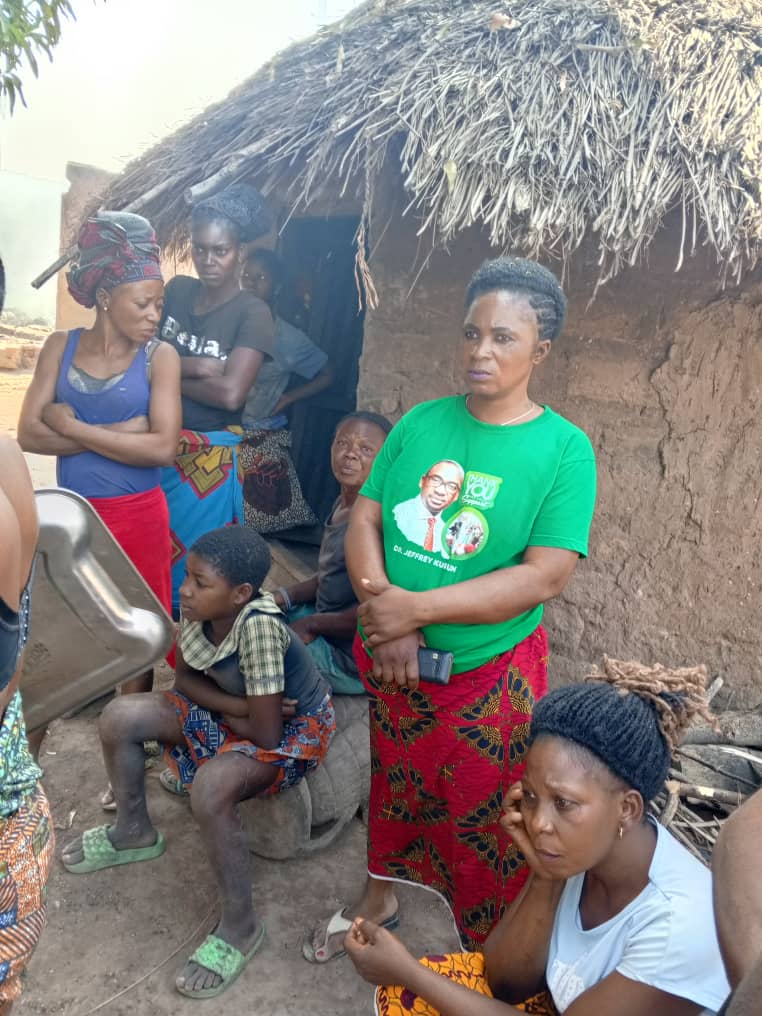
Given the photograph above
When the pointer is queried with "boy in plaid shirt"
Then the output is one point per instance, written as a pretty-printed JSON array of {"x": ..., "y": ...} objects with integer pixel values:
[{"x": 224, "y": 734}]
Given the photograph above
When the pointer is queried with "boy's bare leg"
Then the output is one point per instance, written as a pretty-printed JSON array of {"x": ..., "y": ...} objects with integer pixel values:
[
  {"x": 140, "y": 684},
  {"x": 135, "y": 686},
  {"x": 125, "y": 723},
  {"x": 219, "y": 786}
]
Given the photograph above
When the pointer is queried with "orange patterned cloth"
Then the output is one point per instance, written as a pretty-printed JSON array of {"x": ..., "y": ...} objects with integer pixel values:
[
  {"x": 26, "y": 852},
  {"x": 303, "y": 747},
  {"x": 465, "y": 968}
]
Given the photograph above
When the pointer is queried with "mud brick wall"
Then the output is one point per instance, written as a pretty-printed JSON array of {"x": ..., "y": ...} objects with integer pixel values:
[
  {"x": 664, "y": 372},
  {"x": 87, "y": 183}
]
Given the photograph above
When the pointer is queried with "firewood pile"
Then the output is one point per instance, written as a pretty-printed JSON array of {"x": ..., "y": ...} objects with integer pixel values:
[{"x": 714, "y": 771}]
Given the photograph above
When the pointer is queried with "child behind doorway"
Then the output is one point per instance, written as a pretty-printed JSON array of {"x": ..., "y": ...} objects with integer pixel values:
[{"x": 224, "y": 734}]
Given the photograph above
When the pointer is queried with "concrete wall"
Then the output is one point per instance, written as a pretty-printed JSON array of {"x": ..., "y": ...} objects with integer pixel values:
[
  {"x": 664, "y": 372},
  {"x": 29, "y": 239}
]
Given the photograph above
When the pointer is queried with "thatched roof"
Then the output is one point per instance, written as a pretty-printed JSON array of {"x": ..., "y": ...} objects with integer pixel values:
[{"x": 541, "y": 120}]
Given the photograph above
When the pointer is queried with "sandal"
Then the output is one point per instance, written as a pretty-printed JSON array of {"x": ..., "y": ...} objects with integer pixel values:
[
  {"x": 101, "y": 853},
  {"x": 337, "y": 925},
  {"x": 172, "y": 784},
  {"x": 107, "y": 799},
  {"x": 224, "y": 960}
]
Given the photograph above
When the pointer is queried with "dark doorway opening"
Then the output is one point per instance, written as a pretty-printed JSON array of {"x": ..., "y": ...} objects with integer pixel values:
[{"x": 321, "y": 298}]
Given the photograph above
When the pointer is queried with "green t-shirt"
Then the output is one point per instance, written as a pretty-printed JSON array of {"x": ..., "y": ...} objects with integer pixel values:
[{"x": 461, "y": 498}]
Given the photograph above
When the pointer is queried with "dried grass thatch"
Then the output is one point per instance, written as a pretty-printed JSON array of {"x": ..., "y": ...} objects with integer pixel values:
[{"x": 541, "y": 120}]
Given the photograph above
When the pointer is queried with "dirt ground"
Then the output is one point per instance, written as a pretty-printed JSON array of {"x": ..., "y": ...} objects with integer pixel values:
[
  {"x": 13, "y": 384},
  {"x": 117, "y": 939}
]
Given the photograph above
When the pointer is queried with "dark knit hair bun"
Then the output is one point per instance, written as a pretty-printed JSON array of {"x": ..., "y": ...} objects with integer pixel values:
[
  {"x": 518, "y": 275},
  {"x": 237, "y": 553},
  {"x": 629, "y": 716},
  {"x": 239, "y": 205}
]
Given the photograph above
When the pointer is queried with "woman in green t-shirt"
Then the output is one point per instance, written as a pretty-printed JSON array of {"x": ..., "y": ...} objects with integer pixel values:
[{"x": 474, "y": 515}]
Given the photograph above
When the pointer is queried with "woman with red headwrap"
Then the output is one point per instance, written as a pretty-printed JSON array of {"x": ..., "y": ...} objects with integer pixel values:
[{"x": 105, "y": 400}]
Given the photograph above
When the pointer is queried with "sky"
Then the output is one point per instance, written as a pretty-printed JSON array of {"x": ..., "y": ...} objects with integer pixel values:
[{"x": 128, "y": 72}]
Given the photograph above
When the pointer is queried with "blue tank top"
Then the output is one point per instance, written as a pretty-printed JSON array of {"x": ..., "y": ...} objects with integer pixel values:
[{"x": 91, "y": 474}]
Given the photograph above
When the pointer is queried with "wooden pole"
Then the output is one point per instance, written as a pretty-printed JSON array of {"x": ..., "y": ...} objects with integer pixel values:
[
  {"x": 51, "y": 270},
  {"x": 133, "y": 206}
]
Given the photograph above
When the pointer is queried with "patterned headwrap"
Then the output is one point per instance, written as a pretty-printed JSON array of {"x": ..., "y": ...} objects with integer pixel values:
[{"x": 112, "y": 248}]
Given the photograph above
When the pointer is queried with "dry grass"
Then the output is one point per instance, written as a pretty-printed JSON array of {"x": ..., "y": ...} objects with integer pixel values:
[{"x": 540, "y": 120}]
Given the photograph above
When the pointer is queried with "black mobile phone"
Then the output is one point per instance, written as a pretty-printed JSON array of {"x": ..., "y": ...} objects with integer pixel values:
[{"x": 434, "y": 665}]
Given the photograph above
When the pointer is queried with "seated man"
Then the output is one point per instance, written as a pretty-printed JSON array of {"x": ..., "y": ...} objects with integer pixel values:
[
  {"x": 322, "y": 610},
  {"x": 738, "y": 906}
]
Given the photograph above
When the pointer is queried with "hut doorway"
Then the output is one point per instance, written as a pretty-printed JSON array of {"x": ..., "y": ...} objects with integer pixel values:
[{"x": 322, "y": 300}]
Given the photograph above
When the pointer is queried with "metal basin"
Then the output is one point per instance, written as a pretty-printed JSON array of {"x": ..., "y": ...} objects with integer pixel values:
[{"x": 95, "y": 623}]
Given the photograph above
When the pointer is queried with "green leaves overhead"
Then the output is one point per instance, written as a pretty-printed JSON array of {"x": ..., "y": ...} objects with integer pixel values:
[{"x": 27, "y": 29}]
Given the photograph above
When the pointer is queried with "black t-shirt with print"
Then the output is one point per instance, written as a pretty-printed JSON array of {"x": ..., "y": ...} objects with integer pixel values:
[{"x": 244, "y": 321}]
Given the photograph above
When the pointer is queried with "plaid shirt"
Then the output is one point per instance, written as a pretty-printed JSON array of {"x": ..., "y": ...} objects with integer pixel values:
[{"x": 260, "y": 641}]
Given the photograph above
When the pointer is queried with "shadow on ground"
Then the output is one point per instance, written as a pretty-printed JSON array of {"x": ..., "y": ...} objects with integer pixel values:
[
  {"x": 112, "y": 929},
  {"x": 117, "y": 927}
]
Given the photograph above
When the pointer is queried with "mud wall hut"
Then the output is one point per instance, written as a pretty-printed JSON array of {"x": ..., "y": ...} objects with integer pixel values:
[{"x": 620, "y": 141}]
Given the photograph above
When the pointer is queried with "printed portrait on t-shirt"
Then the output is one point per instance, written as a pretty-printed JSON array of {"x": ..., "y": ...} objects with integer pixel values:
[
  {"x": 466, "y": 533},
  {"x": 419, "y": 519}
]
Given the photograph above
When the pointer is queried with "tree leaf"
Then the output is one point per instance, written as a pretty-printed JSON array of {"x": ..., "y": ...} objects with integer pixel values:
[{"x": 27, "y": 28}]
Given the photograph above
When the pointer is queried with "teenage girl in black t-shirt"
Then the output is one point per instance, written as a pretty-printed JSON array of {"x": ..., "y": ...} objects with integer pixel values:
[{"x": 222, "y": 335}]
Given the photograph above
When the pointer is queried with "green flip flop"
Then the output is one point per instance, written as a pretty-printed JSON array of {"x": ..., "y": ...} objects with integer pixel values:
[
  {"x": 101, "y": 853},
  {"x": 224, "y": 960}
]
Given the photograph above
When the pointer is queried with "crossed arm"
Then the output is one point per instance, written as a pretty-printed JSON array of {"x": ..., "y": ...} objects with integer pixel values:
[
  {"x": 224, "y": 384},
  {"x": 258, "y": 718},
  {"x": 51, "y": 428},
  {"x": 392, "y": 617}
]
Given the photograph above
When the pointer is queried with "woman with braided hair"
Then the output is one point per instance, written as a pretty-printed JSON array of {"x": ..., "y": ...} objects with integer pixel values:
[
  {"x": 475, "y": 513},
  {"x": 617, "y": 915},
  {"x": 223, "y": 336}
]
